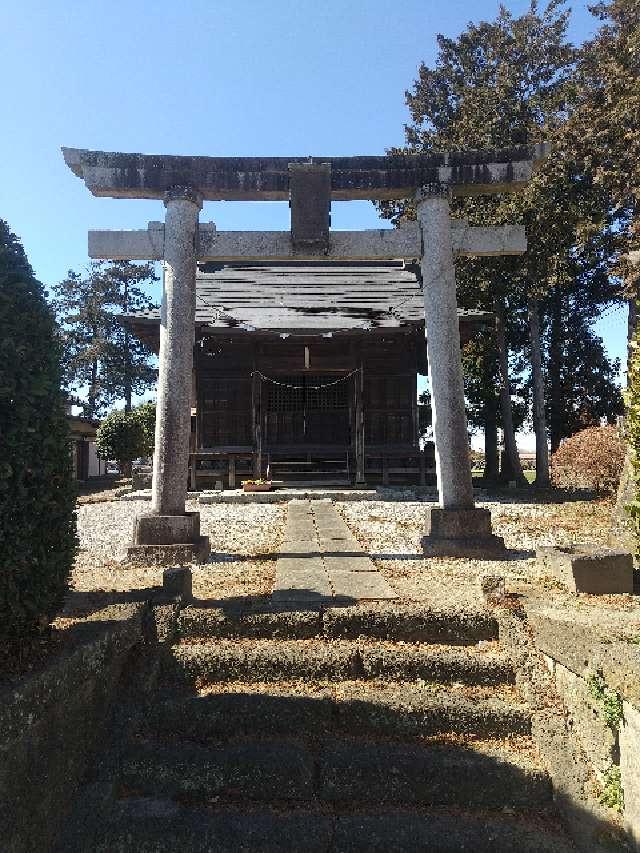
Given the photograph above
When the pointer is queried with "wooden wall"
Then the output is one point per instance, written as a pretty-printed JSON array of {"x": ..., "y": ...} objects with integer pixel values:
[{"x": 230, "y": 402}]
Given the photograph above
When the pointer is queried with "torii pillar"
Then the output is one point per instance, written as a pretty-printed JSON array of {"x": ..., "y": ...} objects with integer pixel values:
[
  {"x": 169, "y": 533},
  {"x": 457, "y": 527}
]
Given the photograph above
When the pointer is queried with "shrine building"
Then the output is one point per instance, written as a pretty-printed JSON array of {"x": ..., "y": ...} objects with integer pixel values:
[{"x": 306, "y": 372}]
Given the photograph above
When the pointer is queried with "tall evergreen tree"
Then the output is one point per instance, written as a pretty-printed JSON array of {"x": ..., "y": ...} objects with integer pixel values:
[
  {"x": 80, "y": 303},
  {"x": 103, "y": 361},
  {"x": 604, "y": 129},
  {"x": 127, "y": 367},
  {"x": 503, "y": 83},
  {"x": 604, "y": 133},
  {"x": 498, "y": 84}
]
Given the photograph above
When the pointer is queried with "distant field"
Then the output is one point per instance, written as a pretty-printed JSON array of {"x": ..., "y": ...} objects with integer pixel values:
[{"x": 530, "y": 475}]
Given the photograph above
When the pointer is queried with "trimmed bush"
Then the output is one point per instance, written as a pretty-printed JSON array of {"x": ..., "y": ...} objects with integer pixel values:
[
  {"x": 121, "y": 436},
  {"x": 146, "y": 414},
  {"x": 37, "y": 492},
  {"x": 591, "y": 459}
]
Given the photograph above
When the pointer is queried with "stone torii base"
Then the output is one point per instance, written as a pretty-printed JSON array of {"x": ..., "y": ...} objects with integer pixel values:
[
  {"x": 168, "y": 540},
  {"x": 461, "y": 533}
]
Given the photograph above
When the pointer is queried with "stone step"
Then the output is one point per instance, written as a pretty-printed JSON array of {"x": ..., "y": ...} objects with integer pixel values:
[
  {"x": 382, "y": 621},
  {"x": 378, "y": 708},
  {"x": 339, "y": 771},
  {"x": 256, "y": 770},
  {"x": 267, "y": 624},
  {"x": 275, "y": 660},
  {"x": 157, "y": 826},
  {"x": 435, "y": 774},
  {"x": 410, "y": 623}
]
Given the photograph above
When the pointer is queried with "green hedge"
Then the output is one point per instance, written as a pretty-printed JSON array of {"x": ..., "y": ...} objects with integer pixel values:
[{"x": 37, "y": 493}]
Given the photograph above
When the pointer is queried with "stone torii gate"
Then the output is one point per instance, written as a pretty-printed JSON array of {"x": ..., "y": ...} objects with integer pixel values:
[{"x": 456, "y": 526}]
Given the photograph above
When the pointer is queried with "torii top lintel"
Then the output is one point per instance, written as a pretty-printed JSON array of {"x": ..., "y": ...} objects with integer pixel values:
[{"x": 119, "y": 175}]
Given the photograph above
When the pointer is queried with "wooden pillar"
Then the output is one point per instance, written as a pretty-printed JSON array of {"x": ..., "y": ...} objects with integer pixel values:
[
  {"x": 423, "y": 473},
  {"x": 256, "y": 415},
  {"x": 359, "y": 395},
  {"x": 414, "y": 412},
  {"x": 232, "y": 471}
]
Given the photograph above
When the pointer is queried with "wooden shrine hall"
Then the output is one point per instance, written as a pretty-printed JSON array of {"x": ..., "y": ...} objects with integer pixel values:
[{"x": 307, "y": 373}]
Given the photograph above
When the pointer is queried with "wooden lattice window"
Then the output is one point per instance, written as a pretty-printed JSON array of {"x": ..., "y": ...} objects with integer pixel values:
[{"x": 310, "y": 392}]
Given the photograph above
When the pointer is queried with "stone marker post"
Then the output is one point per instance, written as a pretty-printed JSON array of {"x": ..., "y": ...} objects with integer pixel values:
[
  {"x": 457, "y": 527},
  {"x": 168, "y": 524}
]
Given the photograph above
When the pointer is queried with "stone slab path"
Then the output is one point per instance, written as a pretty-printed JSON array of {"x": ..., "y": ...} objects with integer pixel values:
[{"x": 320, "y": 561}]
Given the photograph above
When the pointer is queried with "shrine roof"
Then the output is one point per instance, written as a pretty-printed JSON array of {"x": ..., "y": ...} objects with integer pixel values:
[{"x": 312, "y": 297}]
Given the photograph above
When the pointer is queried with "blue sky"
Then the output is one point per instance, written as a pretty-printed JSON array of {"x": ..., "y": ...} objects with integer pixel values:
[{"x": 207, "y": 77}]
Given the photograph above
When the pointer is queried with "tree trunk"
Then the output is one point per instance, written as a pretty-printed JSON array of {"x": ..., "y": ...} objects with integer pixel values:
[
  {"x": 127, "y": 353},
  {"x": 490, "y": 418},
  {"x": 491, "y": 467},
  {"x": 539, "y": 422},
  {"x": 555, "y": 370},
  {"x": 622, "y": 531},
  {"x": 92, "y": 395},
  {"x": 632, "y": 321},
  {"x": 510, "y": 448}
]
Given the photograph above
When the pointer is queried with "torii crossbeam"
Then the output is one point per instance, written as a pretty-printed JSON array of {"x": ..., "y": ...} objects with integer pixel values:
[{"x": 456, "y": 527}]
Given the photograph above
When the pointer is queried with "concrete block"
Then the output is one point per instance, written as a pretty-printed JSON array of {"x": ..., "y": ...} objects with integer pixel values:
[
  {"x": 460, "y": 533},
  {"x": 590, "y": 569},
  {"x": 457, "y": 523},
  {"x": 141, "y": 478},
  {"x": 167, "y": 529},
  {"x": 630, "y": 769},
  {"x": 178, "y": 581}
]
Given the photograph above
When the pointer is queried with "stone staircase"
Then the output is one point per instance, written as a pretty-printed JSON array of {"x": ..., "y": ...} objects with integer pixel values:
[{"x": 368, "y": 728}]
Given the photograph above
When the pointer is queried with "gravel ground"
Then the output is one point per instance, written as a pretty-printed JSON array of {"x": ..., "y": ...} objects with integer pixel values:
[
  {"x": 237, "y": 535},
  {"x": 244, "y": 540},
  {"x": 390, "y": 531}
]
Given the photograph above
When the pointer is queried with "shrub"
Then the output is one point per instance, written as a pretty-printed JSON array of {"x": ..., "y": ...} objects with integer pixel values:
[
  {"x": 37, "y": 492},
  {"x": 146, "y": 414},
  {"x": 121, "y": 436},
  {"x": 591, "y": 459}
]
